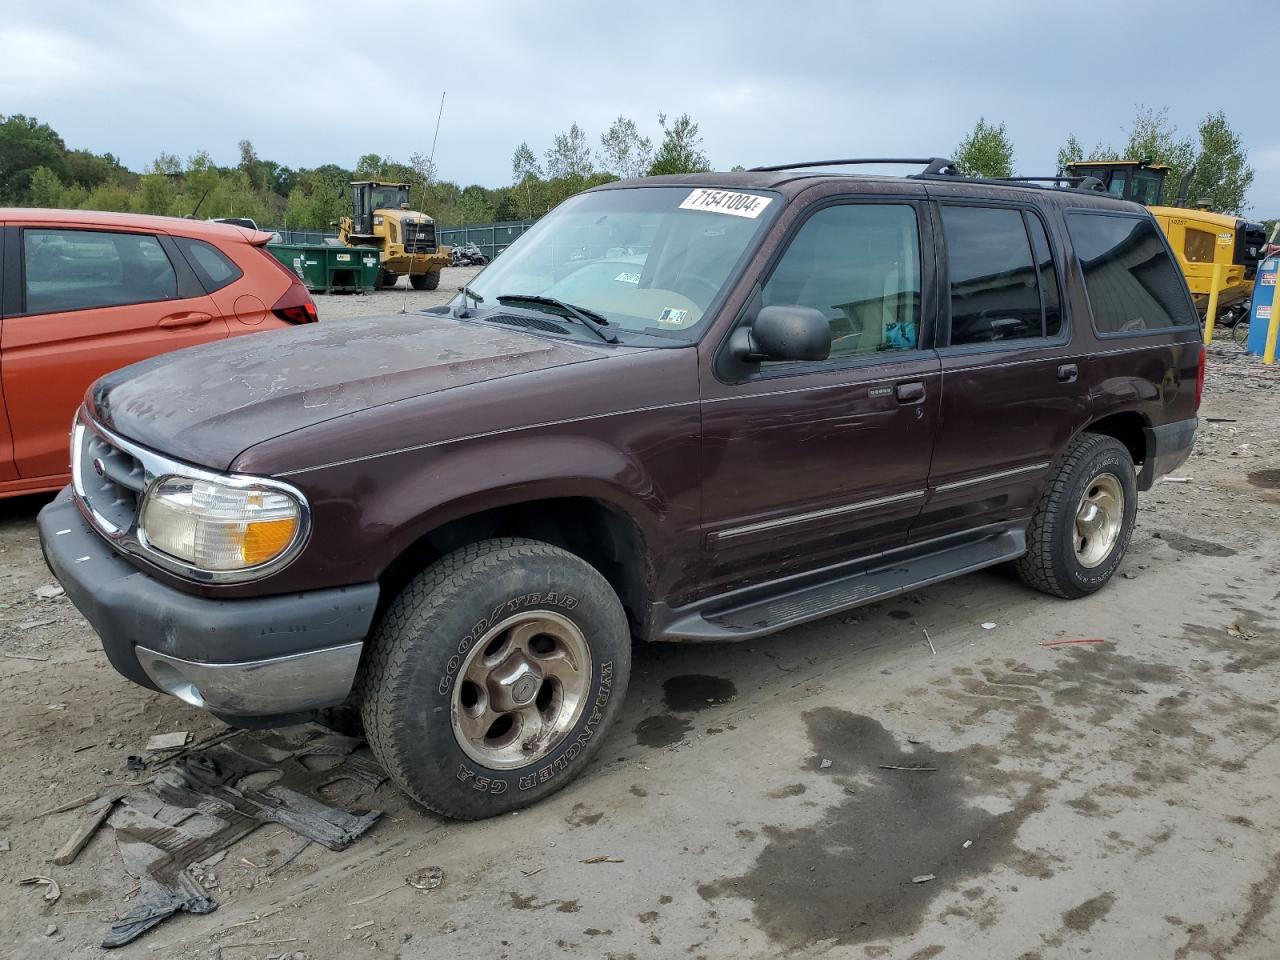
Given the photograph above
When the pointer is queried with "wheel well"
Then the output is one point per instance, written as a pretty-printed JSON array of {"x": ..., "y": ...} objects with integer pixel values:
[
  {"x": 1127, "y": 428},
  {"x": 600, "y": 534}
]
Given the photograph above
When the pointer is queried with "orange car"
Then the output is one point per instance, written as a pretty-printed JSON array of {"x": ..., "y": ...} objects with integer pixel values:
[{"x": 83, "y": 293}]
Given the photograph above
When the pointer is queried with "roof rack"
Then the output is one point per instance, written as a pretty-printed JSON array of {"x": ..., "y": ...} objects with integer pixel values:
[
  {"x": 941, "y": 168},
  {"x": 934, "y": 166}
]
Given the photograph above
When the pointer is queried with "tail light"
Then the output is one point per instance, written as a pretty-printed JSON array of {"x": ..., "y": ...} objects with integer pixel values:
[
  {"x": 1200, "y": 377},
  {"x": 296, "y": 306}
]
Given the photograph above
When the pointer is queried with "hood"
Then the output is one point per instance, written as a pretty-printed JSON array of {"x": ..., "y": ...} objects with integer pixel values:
[{"x": 208, "y": 403}]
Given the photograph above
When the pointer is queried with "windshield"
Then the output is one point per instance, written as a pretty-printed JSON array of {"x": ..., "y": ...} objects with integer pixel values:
[
  {"x": 649, "y": 259},
  {"x": 389, "y": 198}
]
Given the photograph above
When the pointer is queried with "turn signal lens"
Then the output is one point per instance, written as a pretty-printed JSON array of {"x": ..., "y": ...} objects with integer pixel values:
[{"x": 219, "y": 527}]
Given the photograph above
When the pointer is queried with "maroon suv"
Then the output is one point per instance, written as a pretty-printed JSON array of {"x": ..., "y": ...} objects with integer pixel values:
[{"x": 700, "y": 407}]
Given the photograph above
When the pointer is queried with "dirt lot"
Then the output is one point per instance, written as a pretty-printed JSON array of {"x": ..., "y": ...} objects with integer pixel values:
[{"x": 1113, "y": 799}]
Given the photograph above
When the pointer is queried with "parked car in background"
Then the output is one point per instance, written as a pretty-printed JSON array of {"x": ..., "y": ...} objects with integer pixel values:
[
  {"x": 700, "y": 408},
  {"x": 82, "y": 293}
]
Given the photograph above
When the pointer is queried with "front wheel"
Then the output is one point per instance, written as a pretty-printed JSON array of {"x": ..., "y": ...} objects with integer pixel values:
[
  {"x": 494, "y": 676},
  {"x": 387, "y": 280},
  {"x": 425, "y": 281},
  {"x": 1082, "y": 524}
]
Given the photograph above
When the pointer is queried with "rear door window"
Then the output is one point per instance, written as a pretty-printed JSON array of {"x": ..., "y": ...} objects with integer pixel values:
[
  {"x": 1132, "y": 282},
  {"x": 81, "y": 269},
  {"x": 994, "y": 278},
  {"x": 213, "y": 267}
]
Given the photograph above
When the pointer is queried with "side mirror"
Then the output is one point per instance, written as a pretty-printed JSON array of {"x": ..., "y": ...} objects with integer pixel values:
[{"x": 788, "y": 333}]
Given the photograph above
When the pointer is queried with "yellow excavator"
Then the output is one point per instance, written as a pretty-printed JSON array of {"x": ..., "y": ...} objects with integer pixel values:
[
  {"x": 1199, "y": 237},
  {"x": 405, "y": 239}
]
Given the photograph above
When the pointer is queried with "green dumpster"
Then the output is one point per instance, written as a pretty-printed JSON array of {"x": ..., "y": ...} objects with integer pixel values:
[{"x": 330, "y": 269}]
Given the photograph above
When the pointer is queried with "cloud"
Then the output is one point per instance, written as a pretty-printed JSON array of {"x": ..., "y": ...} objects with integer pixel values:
[{"x": 311, "y": 83}]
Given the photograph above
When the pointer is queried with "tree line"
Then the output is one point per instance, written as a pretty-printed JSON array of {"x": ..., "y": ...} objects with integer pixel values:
[
  {"x": 37, "y": 169},
  {"x": 1222, "y": 175}
]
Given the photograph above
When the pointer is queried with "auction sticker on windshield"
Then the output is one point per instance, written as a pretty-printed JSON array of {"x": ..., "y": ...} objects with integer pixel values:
[{"x": 726, "y": 201}]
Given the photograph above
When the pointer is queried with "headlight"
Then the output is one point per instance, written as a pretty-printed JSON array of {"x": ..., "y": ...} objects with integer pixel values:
[{"x": 217, "y": 526}]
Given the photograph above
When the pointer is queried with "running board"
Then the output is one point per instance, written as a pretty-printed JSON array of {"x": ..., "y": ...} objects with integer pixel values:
[{"x": 756, "y": 611}]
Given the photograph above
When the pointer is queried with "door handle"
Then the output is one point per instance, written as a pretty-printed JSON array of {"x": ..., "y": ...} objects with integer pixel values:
[
  {"x": 192, "y": 319},
  {"x": 1068, "y": 373},
  {"x": 909, "y": 392}
]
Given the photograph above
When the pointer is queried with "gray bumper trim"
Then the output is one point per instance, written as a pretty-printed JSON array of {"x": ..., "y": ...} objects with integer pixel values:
[{"x": 289, "y": 684}]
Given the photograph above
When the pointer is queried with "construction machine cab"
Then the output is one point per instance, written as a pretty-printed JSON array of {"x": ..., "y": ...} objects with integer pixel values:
[
  {"x": 370, "y": 195},
  {"x": 1138, "y": 180}
]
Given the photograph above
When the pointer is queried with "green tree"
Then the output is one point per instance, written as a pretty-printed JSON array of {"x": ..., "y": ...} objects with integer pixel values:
[
  {"x": 624, "y": 151},
  {"x": 1154, "y": 137},
  {"x": 526, "y": 179},
  {"x": 985, "y": 151},
  {"x": 26, "y": 143},
  {"x": 1223, "y": 175},
  {"x": 45, "y": 188},
  {"x": 681, "y": 148},
  {"x": 1069, "y": 153},
  {"x": 569, "y": 156}
]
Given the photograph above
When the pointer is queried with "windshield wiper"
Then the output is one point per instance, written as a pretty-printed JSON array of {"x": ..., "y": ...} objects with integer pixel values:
[
  {"x": 593, "y": 321},
  {"x": 463, "y": 311}
]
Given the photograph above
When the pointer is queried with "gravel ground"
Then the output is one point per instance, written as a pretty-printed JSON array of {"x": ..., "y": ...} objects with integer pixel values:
[
  {"x": 1110, "y": 799},
  {"x": 343, "y": 306}
]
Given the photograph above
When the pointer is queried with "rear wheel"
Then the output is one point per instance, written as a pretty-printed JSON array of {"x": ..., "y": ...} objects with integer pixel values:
[
  {"x": 494, "y": 676},
  {"x": 425, "y": 281},
  {"x": 1240, "y": 333},
  {"x": 1082, "y": 525}
]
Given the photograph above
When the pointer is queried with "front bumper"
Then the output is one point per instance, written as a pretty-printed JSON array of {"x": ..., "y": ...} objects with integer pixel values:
[{"x": 250, "y": 658}]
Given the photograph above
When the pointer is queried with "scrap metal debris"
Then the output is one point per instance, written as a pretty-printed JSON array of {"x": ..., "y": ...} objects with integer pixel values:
[
  {"x": 604, "y": 859},
  {"x": 52, "y": 890},
  {"x": 428, "y": 878},
  {"x": 1064, "y": 643},
  {"x": 204, "y": 802},
  {"x": 168, "y": 741},
  {"x": 924, "y": 878}
]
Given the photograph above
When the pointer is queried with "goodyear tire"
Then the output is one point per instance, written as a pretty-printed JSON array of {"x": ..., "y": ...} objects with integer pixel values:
[
  {"x": 1081, "y": 527},
  {"x": 494, "y": 676},
  {"x": 425, "y": 281}
]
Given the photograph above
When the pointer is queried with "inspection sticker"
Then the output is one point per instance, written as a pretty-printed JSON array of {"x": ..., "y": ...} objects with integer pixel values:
[
  {"x": 627, "y": 278},
  {"x": 726, "y": 201},
  {"x": 673, "y": 317}
]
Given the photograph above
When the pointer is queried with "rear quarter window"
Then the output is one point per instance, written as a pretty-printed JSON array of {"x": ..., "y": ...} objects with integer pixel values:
[
  {"x": 1133, "y": 284},
  {"x": 213, "y": 267}
]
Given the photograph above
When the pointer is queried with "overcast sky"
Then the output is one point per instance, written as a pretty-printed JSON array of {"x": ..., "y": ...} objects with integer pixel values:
[{"x": 318, "y": 82}]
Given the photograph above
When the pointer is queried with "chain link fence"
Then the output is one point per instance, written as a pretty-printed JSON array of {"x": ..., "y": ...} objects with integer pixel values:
[{"x": 491, "y": 238}]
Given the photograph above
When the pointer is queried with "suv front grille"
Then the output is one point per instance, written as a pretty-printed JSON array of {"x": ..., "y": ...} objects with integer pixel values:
[
  {"x": 109, "y": 480},
  {"x": 420, "y": 238}
]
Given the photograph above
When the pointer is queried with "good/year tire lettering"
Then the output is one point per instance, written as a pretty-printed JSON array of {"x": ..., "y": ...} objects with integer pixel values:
[{"x": 562, "y": 600}]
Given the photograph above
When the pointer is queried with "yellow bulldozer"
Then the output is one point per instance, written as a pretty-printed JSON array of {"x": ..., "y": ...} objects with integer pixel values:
[
  {"x": 1199, "y": 237},
  {"x": 405, "y": 239}
]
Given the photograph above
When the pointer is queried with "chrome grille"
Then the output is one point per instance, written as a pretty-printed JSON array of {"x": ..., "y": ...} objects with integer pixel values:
[{"x": 109, "y": 480}]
